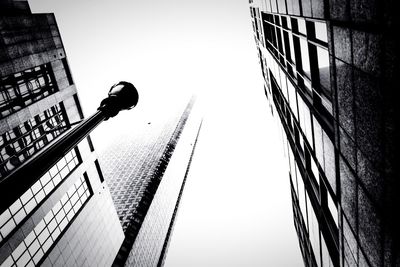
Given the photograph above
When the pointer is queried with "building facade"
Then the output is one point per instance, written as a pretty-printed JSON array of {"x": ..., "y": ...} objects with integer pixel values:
[
  {"x": 146, "y": 173},
  {"x": 66, "y": 217},
  {"x": 330, "y": 69}
]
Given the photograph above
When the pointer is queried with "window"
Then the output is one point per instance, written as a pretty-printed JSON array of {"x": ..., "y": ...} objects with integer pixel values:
[
  {"x": 302, "y": 195},
  {"x": 292, "y": 99},
  {"x": 332, "y": 208},
  {"x": 305, "y": 119},
  {"x": 320, "y": 31},
  {"x": 301, "y": 23},
  {"x": 24, "y": 88},
  {"x": 314, "y": 169},
  {"x": 305, "y": 58},
  {"x": 292, "y": 169},
  {"x": 37, "y": 243},
  {"x": 19, "y": 144},
  {"x": 325, "y": 152},
  {"x": 314, "y": 232},
  {"x": 323, "y": 68},
  {"x": 326, "y": 258},
  {"x": 284, "y": 22},
  {"x": 291, "y": 46},
  {"x": 12, "y": 216}
]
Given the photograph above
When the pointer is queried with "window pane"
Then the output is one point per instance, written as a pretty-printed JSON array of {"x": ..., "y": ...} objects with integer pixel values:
[
  {"x": 333, "y": 209},
  {"x": 292, "y": 98},
  {"x": 320, "y": 31},
  {"x": 293, "y": 58},
  {"x": 318, "y": 142},
  {"x": 314, "y": 232},
  {"x": 302, "y": 26},
  {"x": 323, "y": 66},
  {"x": 305, "y": 58},
  {"x": 326, "y": 258},
  {"x": 329, "y": 160},
  {"x": 302, "y": 195}
]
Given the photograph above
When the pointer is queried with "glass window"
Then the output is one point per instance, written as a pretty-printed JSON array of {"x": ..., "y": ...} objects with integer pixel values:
[
  {"x": 323, "y": 67},
  {"x": 326, "y": 258},
  {"x": 314, "y": 232},
  {"x": 301, "y": 143},
  {"x": 332, "y": 208},
  {"x": 307, "y": 125},
  {"x": 284, "y": 22},
  {"x": 327, "y": 104},
  {"x": 292, "y": 170},
  {"x": 292, "y": 55},
  {"x": 319, "y": 145},
  {"x": 302, "y": 195},
  {"x": 302, "y": 26},
  {"x": 320, "y": 31},
  {"x": 280, "y": 40},
  {"x": 314, "y": 169},
  {"x": 38, "y": 131},
  {"x": 329, "y": 160},
  {"x": 283, "y": 84},
  {"x": 277, "y": 20},
  {"x": 292, "y": 98},
  {"x": 305, "y": 58},
  {"x": 24, "y": 88},
  {"x": 307, "y": 86},
  {"x": 35, "y": 195},
  {"x": 5, "y": 216},
  {"x": 45, "y": 233}
]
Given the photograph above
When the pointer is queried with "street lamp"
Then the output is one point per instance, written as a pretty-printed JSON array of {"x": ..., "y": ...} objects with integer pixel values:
[{"x": 121, "y": 96}]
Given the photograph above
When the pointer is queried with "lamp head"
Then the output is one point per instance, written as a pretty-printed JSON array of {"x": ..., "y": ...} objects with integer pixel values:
[{"x": 121, "y": 96}]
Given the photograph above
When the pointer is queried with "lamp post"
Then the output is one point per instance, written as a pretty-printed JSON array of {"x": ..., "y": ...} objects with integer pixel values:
[{"x": 121, "y": 96}]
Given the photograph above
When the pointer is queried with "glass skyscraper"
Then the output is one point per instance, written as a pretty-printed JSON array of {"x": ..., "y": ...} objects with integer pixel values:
[
  {"x": 329, "y": 69},
  {"x": 66, "y": 217},
  {"x": 146, "y": 173}
]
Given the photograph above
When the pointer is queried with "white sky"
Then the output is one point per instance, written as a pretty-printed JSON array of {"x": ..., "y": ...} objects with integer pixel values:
[{"x": 236, "y": 207}]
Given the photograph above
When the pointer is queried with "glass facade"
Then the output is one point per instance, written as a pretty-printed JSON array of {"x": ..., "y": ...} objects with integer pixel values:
[
  {"x": 21, "y": 89},
  {"x": 30, "y": 251},
  {"x": 329, "y": 83},
  {"x": 146, "y": 191},
  {"x": 64, "y": 217},
  {"x": 18, "y": 211},
  {"x": 22, "y": 142}
]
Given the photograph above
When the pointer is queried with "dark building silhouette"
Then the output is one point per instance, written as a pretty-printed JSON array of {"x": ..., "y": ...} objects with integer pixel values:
[
  {"x": 146, "y": 173},
  {"x": 66, "y": 217},
  {"x": 330, "y": 69}
]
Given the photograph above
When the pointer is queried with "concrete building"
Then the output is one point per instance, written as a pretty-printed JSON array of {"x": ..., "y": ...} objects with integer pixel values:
[
  {"x": 66, "y": 217},
  {"x": 330, "y": 77},
  {"x": 146, "y": 173}
]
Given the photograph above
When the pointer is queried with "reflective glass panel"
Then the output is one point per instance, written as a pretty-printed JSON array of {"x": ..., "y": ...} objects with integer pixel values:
[
  {"x": 305, "y": 58},
  {"x": 314, "y": 232},
  {"x": 323, "y": 66},
  {"x": 320, "y": 31},
  {"x": 302, "y": 26}
]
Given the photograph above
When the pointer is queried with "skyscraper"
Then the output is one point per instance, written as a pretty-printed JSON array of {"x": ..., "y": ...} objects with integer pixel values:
[
  {"x": 329, "y": 69},
  {"x": 146, "y": 173},
  {"x": 66, "y": 217}
]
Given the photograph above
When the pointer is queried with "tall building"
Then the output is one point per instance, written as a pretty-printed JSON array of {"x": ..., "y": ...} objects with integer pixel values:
[
  {"x": 330, "y": 77},
  {"x": 66, "y": 217},
  {"x": 146, "y": 173}
]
